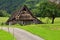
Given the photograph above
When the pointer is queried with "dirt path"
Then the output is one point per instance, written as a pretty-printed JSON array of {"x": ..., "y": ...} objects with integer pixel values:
[{"x": 22, "y": 34}]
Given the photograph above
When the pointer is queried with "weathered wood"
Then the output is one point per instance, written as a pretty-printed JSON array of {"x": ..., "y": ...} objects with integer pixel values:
[{"x": 23, "y": 16}]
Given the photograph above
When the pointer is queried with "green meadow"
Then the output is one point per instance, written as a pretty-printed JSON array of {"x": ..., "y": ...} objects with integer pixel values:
[
  {"x": 5, "y": 35},
  {"x": 46, "y": 31}
]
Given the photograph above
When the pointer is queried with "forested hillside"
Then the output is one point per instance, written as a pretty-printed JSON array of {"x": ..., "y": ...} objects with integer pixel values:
[
  {"x": 38, "y": 7},
  {"x": 11, "y": 5}
]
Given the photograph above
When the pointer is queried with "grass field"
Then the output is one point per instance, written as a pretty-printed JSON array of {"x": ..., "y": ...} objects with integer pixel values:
[
  {"x": 45, "y": 20},
  {"x": 46, "y": 31},
  {"x": 3, "y": 20},
  {"x": 5, "y": 35}
]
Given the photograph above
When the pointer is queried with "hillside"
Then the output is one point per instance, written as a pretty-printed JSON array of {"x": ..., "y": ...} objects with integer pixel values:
[{"x": 11, "y": 5}]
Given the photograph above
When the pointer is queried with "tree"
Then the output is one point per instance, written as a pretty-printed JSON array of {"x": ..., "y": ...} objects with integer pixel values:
[
  {"x": 48, "y": 9},
  {"x": 36, "y": 12}
]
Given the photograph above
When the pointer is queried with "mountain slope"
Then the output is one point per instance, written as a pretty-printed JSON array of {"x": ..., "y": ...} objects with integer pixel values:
[{"x": 12, "y": 5}]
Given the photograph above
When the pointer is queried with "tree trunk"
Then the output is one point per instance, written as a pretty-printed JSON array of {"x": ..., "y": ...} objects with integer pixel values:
[{"x": 53, "y": 20}]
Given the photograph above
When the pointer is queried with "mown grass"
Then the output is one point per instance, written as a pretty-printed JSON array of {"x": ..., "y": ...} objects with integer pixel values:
[
  {"x": 6, "y": 36},
  {"x": 46, "y": 31}
]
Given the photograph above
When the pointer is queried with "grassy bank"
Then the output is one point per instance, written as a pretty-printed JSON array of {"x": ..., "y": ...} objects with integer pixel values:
[{"x": 5, "y": 35}]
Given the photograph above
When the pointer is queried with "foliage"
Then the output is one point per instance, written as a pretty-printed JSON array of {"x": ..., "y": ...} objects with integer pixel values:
[
  {"x": 12, "y": 5},
  {"x": 36, "y": 12},
  {"x": 4, "y": 13},
  {"x": 48, "y": 9},
  {"x": 32, "y": 5}
]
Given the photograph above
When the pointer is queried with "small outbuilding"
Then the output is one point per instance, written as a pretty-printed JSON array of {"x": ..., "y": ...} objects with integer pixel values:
[{"x": 23, "y": 16}]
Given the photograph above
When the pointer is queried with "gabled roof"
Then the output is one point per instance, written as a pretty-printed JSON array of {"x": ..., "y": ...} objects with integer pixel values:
[
  {"x": 22, "y": 14},
  {"x": 26, "y": 9},
  {"x": 18, "y": 12}
]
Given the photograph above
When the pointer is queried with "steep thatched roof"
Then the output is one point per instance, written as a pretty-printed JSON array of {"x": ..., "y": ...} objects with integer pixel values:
[{"x": 22, "y": 15}]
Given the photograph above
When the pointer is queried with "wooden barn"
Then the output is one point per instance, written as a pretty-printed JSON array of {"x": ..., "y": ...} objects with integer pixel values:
[{"x": 23, "y": 16}]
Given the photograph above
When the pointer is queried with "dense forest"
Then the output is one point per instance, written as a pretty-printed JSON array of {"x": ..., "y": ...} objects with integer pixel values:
[{"x": 11, "y": 5}]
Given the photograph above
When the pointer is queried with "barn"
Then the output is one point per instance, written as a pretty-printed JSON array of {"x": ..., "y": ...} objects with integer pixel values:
[{"x": 23, "y": 16}]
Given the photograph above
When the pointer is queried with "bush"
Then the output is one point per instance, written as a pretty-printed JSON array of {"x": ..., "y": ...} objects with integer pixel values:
[{"x": 4, "y": 13}]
